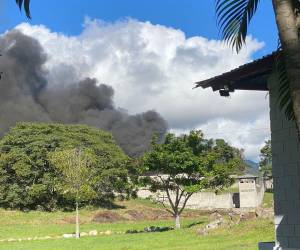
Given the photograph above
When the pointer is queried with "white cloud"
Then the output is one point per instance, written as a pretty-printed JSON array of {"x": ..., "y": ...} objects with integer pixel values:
[
  {"x": 242, "y": 134},
  {"x": 154, "y": 67}
]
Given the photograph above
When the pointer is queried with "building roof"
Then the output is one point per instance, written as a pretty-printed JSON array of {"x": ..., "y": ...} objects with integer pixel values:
[
  {"x": 250, "y": 76},
  {"x": 247, "y": 176}
]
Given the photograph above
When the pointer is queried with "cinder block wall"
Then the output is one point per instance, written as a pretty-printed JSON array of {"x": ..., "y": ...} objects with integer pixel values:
[
  {"x": 204, "y": 200},
  {"x": 248, "y": 193},
  {"x": 286, "y": 175}
]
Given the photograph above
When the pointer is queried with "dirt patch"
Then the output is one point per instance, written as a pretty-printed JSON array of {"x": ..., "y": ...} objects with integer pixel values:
[
  {"x": 146, "y": 214},
  {"x": 72, "y": 220},
  {"x": 159, "y": 215},
  {"x": 155, "y": 214},
  {"x": 107, "y": 217},
  {"x": 196, "y": 213},
  {"x": 135, "y": 215},
  {"x": 142, "y": 213},
  {"x": 68, "y": 220}
]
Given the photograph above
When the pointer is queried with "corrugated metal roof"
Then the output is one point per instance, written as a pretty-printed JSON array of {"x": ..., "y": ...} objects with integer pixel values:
[{"x": 250, "y": 76}]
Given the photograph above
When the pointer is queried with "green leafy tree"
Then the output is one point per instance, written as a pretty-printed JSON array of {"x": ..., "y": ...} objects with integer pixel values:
[
  {"x": 73, "y": 167},
  {"x": 28, "y": 179},
  {"x": 227, "y": 153},
  {"x": 183, "y": 165},
  {"x": 265, "y": 164},
  {"x": 233, "y": 18}
]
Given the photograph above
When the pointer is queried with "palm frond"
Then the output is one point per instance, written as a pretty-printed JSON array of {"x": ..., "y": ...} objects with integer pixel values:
[
  {"x": 296, "y": 4},
  {"x": 26, "y": 5},
  {"x": 233, "y": 18},
  {"x": 284, "y": 95}
]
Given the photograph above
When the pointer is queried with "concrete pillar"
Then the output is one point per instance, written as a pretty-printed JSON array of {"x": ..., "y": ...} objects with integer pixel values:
[
  {"x": 248, "y": 191},
  {"x": 286, "y": 175}
]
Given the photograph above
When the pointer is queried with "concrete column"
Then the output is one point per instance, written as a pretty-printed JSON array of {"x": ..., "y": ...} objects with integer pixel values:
[
  {"x": 248, "y": 192},
  {"x": 286, "y": 175}
]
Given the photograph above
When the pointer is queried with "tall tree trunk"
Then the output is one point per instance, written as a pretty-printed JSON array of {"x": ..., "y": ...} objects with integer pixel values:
[
  {"x": 177, "y": 221},
  {"x": 288, "y": 26},
  {"x": 77, "y": 222}
]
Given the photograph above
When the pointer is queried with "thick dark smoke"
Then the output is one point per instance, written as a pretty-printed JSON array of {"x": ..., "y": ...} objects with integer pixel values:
[{"x": 26, "y": 95}]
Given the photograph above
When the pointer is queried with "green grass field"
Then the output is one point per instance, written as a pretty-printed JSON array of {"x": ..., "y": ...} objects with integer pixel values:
[
  {"x": 268, "y": 200},
  {"x": 14, "y": 224}
]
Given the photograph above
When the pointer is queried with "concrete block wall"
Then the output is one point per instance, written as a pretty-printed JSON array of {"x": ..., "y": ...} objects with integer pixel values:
[
  {"x": 204, "y": 200},
  {"x": 286, "y": 175},
  {"x": 260, "y": 189},
  {"x": 251, "y": 193},
  {"x": 210, "y": 200},
  {"x": 248, "y": 193}
]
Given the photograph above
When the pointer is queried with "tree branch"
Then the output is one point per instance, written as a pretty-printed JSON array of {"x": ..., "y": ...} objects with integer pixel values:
[
  {"x": 182, "y": 192},
  {"x": 166, "y": 184},
  {"x": 177, "y": 200},
  {"x": 185, "y": 201},
  {"x": 162, "y": 180},
  {"x": 169, "y": 198},
  {"x": 180, "y": 196},
  {"x": 165, "y": 207}
]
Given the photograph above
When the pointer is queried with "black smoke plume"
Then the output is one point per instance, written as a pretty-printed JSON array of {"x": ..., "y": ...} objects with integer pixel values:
[{"x": 26, "y": 95}]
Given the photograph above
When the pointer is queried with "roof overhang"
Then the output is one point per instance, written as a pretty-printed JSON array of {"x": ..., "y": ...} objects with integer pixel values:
[{"x": 250, "y": 76}]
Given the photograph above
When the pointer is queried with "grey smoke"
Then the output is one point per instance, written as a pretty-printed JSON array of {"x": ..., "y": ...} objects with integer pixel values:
[{"x": 26, "y": 95}]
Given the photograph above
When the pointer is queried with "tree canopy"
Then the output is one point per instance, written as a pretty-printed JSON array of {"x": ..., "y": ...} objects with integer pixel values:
[
  {"x": 28, "y": 179},
  {"x": 265, "y": 163},
  {"x": 183, "y": 165}
]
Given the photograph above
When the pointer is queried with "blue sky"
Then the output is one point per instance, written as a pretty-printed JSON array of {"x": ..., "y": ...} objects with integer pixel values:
[{"x": 194, "y": 17}]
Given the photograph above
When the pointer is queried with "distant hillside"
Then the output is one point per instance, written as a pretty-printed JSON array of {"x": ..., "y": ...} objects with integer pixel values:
[{"x": 252, "y": 167}]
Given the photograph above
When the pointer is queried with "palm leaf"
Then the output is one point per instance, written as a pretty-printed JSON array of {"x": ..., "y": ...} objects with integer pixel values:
[
  {"x": 26, "y": 5},
  {"x": 284, "y": 95},
  {"x": 233, "y": 18},
  {"x": 296, "y": 4}
]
